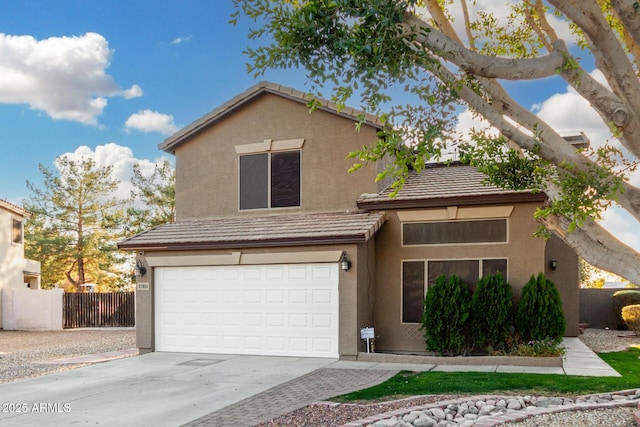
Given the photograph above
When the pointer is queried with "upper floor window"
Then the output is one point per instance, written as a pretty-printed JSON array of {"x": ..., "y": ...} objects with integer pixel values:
[
  {"x": 270, "y": 180},
  {"x": 16, "y": 231},
  {"x": 455, "y": 232}
]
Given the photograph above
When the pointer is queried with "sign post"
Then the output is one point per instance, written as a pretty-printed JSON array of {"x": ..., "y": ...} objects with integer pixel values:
[{"x": 367, "y": 334}]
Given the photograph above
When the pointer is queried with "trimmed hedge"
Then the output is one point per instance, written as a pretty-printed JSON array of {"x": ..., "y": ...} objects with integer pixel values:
[
  {"x": 622, "y": 299},
  {"x": 631, "y": 316},
  {"x": 540, "y": 314},
  {"x": 444, "y": 320},
  {"x": 491, "y": 315}
]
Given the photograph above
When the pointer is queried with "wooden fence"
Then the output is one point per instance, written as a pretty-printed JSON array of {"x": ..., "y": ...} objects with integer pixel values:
[{"x": 98, "y": 310}]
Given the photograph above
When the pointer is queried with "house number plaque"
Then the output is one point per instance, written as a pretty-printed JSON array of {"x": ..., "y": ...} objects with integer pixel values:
[{"x": 143, "y": 286}]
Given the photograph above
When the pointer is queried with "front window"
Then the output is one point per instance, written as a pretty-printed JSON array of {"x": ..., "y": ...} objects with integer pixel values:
[
  {"x": 414, "y": 284},
  {"x": 270, "y": 180}
]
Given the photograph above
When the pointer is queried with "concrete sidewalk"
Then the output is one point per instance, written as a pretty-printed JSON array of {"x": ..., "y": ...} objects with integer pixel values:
[
  {"x": 343, "y": 377},
  {"x": 171, "y": 389}
]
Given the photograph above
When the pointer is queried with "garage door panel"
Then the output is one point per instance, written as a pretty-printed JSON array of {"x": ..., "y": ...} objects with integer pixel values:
[{"x": 272, "y": 310}]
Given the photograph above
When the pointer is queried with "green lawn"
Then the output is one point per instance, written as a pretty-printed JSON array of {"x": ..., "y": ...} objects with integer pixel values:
[{"x": 627, "y": 363}]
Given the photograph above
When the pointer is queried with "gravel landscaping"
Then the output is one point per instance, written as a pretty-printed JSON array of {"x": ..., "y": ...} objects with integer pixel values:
[{"x": 21, "y": 352}]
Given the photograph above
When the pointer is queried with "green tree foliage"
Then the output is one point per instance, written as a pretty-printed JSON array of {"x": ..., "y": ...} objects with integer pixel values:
[
  {"x": 540, "y": 316},
  {"x": 153, "y": 200},
  {"x": 376, "y": 49},
  {"x": 75, "y": 224},
  {"x": 491, "y": 311},
  {"x": 446, "y": 312}
]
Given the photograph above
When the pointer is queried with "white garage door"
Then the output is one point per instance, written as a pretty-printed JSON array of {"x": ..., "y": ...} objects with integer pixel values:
[{"x": 279, "y": 310}]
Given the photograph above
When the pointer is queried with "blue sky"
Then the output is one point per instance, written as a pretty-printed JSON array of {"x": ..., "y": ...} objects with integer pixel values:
[
  {"x": 178, "y": 60},
  {"x": 113, "y": 79}
]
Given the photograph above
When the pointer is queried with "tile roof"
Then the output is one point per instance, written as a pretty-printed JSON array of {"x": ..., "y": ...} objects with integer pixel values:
[
  {"x": 441, "y": 185},
  {"x": 169, "y": 145},
  {"x": 294, "y": 229},
  {"x": 14, "y": 208}
]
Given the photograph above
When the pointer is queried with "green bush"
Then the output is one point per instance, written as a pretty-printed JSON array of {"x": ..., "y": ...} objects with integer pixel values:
[
  {"x": 540, "y": 314},
  {"x": 622, "y": 299},
  {"x": 445, "y": 317},
  {"x": 631, "y": 316},
  {"x": 491, "y": 316}
]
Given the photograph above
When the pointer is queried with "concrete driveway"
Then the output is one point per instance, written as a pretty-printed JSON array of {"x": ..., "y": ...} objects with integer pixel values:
[{"x": 160, "y": 389}]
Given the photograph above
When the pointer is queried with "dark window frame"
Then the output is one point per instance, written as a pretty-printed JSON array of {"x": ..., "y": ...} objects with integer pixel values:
[
  {"x": 276, "y": 192},
  {"x": 426, "y": 283}
]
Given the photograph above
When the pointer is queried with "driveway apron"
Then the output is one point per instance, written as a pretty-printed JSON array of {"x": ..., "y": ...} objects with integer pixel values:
[{"x": 160, "y": 389}]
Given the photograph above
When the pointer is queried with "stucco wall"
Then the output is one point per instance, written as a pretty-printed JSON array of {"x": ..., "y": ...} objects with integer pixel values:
[
  {"x": 28, "y": 309},
  {"x": 596, "y": 308},
  {"x": 11, "y": 254},
  {"x": 525, "y": 253},
  {"x": 207, "y": 166},
  {"x": 566, "y": 277}
]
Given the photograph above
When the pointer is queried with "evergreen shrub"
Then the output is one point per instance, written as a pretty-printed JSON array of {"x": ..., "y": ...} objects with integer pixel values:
[
  {"x": 631, "y": 316},
  {"x": 622, "y": 299},
  {"x": 491, "y": 315},
  {"x": 539, "y": 315},
  {"x": 445, "y": 317}
]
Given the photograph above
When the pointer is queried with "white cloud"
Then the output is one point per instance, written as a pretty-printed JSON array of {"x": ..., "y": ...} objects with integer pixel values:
[
  {"x": 134, "y": 91},
  {"x": 151, "y": 121},
  {"x": 622, "y": 225},
  {"x": 570, "y": 112},
  {"x": 180, "y": 40},
  {"x": 63, "y": 76},
  {"x": 121, "y": 159}
]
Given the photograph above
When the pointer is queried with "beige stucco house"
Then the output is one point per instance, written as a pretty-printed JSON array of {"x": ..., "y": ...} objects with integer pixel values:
[
  {"x": 15, "y": 270},
  {"x": 278, "y": 250}
]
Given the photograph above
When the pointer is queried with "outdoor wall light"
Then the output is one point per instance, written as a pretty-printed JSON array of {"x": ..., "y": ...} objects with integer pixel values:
[
  {"x": 139, "y": 269},
  {"x": 553, "y": 263},
  {"x": 345, "y": 264}
]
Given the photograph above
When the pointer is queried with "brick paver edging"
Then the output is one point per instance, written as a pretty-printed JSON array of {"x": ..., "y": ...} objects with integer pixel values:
[
  {"x": 513, "y": 416},
  {"x": 320, "y": 384}
]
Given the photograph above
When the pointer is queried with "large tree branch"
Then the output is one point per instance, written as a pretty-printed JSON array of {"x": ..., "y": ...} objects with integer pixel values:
[
  {"x": 474, "y": 63},
  {"x": 597, "y": 246},
  {"x": 606, "y": 48},
  {"x": 629, "y": 15},
  {"x": 610, "y": 107},
  {"x": 552, "y": 146}
]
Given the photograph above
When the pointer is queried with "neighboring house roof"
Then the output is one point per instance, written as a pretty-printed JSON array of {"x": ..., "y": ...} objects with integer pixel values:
[
  {"x": 442, "y": 185},
  {"x": 170, "y": 144},
  {"x": 292, "y": 229},
  {"x": 14, "y": 208}
]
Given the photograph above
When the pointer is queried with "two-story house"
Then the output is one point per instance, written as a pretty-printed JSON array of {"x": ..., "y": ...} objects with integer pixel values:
[
  {"x": 15, "y": 270},
  {"x": 278, "y": 250}
]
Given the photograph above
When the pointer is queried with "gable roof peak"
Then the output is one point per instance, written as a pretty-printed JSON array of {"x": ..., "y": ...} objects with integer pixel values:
[{"x": 169, "y": 145}]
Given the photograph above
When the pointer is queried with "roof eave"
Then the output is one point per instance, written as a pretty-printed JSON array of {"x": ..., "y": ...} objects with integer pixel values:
[
  {"x": 389, "y": 204},
  {"x": 307, "y": 241}
]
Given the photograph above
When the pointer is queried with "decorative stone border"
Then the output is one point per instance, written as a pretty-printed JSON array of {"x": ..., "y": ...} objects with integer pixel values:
[{"x": 618, "y": 399}]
